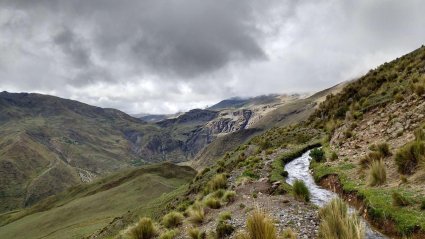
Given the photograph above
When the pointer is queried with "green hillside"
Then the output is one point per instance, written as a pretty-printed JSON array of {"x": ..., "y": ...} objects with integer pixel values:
[{"x": 86, "y": 208}]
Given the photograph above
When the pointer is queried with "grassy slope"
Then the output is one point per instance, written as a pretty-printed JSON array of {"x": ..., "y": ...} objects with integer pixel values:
[
  {"x": 389, "y": 83},
  {"x": 86, "y": 208}
]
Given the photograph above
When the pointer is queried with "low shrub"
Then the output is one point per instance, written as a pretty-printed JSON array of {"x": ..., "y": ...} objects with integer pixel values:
[
  {"x": 408, "y": 157},
  {"x": 399, "y": 200},
  {"x": 143, "y": 229},
  {"x": 284, "y": 174},
  {"x": 317, "y": 154},
  {"x": 300, "y": 190},
  {"x": 195, "y": 233},
  {"x": 377, "y": 173},
  {"x": 337, "y": 223},
  {"x": 172, "y": 219},
  {"x": 258, "y": 226}
]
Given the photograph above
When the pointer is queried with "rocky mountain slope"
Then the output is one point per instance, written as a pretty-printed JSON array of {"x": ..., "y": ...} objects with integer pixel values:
[{"x": 372, "y": 136}]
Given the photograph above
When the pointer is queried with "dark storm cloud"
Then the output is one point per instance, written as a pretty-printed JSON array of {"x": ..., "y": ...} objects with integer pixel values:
[{"x": 169, "y": 55}]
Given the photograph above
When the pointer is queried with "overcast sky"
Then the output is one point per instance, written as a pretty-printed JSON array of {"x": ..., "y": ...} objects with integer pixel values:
[{"x": 164, "y": 56}]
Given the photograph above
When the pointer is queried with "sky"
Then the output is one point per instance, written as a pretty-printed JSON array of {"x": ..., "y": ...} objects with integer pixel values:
[{"x": 166, "y": 56}]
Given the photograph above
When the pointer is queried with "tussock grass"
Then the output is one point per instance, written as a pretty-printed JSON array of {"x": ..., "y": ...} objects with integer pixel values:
[
  {"x": 301, "y": 191},
  {"x": 399, "y": 200},
  {"x": 229, "y": 196},
  {"x": 377, "y": 173},
  {"x": 408, "y": 157},
  {"x": 170, "y": 234},
  {"x": 212, "y": 202},
  {"x": 288, "y": 233},
  {"x": 172, "y": 219},
  {"x": 258, "y": 226},
  {"x": 384, "y": 149},
  {"x": 219, "y": 181},
  {"x": 223, "y": 216},
  {"x": 196, "y": 213},
  {"x": 195, "y": 233},
  {"x": 144, "y": 229},
  {"x": 337, "y": 223},
  {"x": 223, "y": 229}
]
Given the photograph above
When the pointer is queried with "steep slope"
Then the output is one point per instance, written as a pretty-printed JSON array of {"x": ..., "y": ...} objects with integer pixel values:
[
  {"x": 380, "y": 118},
  {"x": 83, "y": 209}
]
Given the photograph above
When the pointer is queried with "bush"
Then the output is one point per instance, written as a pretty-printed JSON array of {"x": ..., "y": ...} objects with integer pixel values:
[
  {"x": 219, "y": 181},
  {"x": 170, "y": 234},
  {"x": 284, "y": 174},
  {"x": 336, "y": 222},
  {"x": 258, "y": 226},
  {"x": 300, "y": 190},
  {"x": 317, "y": 154},
  {"x": 224, "y": 229},
  {"x": 419, "y": 89},
  {"x": 144, "y": 229},
  {"x": 288, "y": 233},
  {"x": 377, "y": 173},
  {"x": 195, "y": 233},
  {"x": 408, "y": 157},
  {"x": 229, "y": 196},
  {"x": 172, "y": 219},
  {"x": 196, "y": 213},
  {"x": 212, "y": 202},
  {"x": 399, "y": 200},
  {"x": 384, "y": 149}
]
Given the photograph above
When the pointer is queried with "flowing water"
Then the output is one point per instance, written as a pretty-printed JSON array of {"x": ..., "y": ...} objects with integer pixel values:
[{"x": 299, "y": 169}]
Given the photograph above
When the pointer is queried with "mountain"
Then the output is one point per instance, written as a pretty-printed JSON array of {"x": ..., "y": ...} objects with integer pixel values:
[
  {"x": 368, "y": 137},
  {"x": 85, "y": 208},
  {"x": 48, "y": 144}
]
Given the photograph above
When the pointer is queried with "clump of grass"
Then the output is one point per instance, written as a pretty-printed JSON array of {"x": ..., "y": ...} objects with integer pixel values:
[
  {"x": 384, "y": 149},
  {"x": 408, "y": 157},
  {"x": 223, "y": 216},
  {"x": 229, "y": 196},
  {"x": 195, "y": 233},
  {"x": 212, "y": 202},
  {"x": 334, "y": 156},
  {"x": 196, "y": 213},
  {"x": 399, "y": 200},
  {"x": 317, "y": 154},
  {"x": 419, "y": 134},
  {"x": 219, "y": 181},
  {"x": 288, "y": 233},
  {"x": 223, "y": 229},
  {"x": 172, "y": 220},
  {"x": 337, "y": 223},
  {"x": 377, "y": 173},
  {"x": 258, "y": 226},
  {"x": 170, "y": 234},
  {"x": 143, "y": 229},
  {"x": 423, "y": 204},
  {"x": 300, "y": 190}
]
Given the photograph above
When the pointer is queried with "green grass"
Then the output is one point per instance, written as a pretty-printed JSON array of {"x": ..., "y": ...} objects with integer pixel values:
[
  {"x": 300, "y": 190},
  {"x": 94, "y": 206},
  {"x": 378, "y": 200}
]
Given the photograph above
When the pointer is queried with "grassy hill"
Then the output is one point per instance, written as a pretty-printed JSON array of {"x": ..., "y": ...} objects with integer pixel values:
[{"x": 83, "y": 209}]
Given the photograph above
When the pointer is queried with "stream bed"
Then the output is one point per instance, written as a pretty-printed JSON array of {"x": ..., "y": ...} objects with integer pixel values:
[{"x": 299, "y": 169}]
